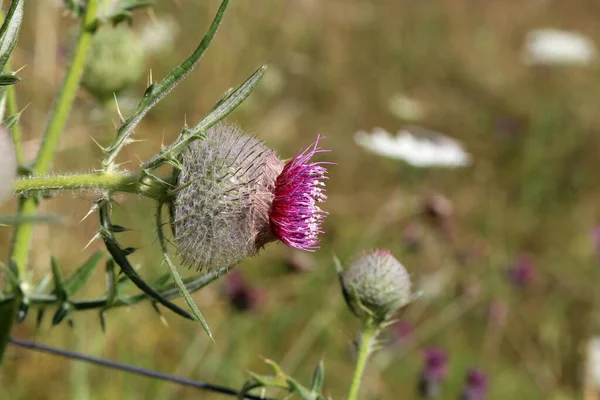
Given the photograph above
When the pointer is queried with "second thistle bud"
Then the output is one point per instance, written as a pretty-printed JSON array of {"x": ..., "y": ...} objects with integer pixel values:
[
  {"x": 116, "y": 62},
  {"x": 376, "y": 285}
]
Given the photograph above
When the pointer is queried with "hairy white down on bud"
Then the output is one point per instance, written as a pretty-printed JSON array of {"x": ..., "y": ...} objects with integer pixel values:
[
  {"x": 8, "y": 164},
  {"x": 221, "y": 214},
  {"x": 379, "y": 281}
]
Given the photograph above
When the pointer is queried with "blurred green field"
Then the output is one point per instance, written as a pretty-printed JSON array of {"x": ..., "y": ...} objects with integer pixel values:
[{"x": 534, "y": 133}]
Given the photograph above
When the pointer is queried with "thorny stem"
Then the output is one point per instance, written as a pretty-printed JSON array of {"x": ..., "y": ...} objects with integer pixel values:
[
  {"x": 23, "y": 232},
  {"x": 58, "y": 119},
  {"x": 115, "y": 182},
  {"x": 367, "y": 340},
  {"x": 11, "y": 99}
]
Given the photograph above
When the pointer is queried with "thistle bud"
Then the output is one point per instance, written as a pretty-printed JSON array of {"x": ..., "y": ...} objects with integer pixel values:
[
  {"x": 236, "y": 196},
  {"x": 115, "y": 62},
  {"x": 8, "y": 164},
  {"x": 376, "y": 285}
]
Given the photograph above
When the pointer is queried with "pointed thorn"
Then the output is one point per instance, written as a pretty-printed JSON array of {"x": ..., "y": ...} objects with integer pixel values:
[
  {"x": 96, "y": 236},
  {"x": 92, "y": 210},
  {"x": 20, "y": 69},
  {"x": 98, "y": 144},
  {"x": 118, "y": 109}
]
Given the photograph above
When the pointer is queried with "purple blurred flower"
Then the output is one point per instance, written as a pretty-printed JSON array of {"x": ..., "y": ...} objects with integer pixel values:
[
  {"x": 476, "y": 385},
  {"x": 295, "y": 217},
  {"x": 523, "y": 271},
  {"x": 240, "y": 294},
  {"x": 413, "y": 236},
  {"x": 433, "y": 373},
  {"x": 403, "y": 331}
]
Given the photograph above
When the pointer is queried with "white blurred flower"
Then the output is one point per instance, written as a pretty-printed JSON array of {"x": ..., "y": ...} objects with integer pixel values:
[
  {"x": 158, "y": 35},
  {"x": 416, "y": 146},
  {"x": 594, "y": 362},
  {"x": 406, "y": 108},
  {"x": 8, "y": 165},
  {"x": 556, "y": 47}
]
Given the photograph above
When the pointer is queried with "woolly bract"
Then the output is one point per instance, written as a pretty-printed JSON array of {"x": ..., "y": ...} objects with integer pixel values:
[
  {"x": 379, "y": 282},
  {"x": 221, "y": 212}
]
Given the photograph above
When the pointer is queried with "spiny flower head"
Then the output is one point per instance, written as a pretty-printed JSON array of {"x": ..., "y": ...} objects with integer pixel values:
[
  {"x": 235, "y": 195},
  {"x": 295, "y": 216},
  {"x": 376, "y": 285},
  {"x": 221, "y": 214}
]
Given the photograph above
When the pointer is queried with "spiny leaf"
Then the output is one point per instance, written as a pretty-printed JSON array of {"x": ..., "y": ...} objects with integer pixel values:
[
  {"x": 59, "y": 284},
  {"x": 9, "y": 32},
  {"x": 223, "y": 108},
  {"x": 9, "y": 79},
  {"x": 120, "y": 258},
  {"x": 318, "y": 378},
  {"x": 175, "y": 274},
  {"x": 83, "y": 273},
  {"x": 158, "y": 91}
]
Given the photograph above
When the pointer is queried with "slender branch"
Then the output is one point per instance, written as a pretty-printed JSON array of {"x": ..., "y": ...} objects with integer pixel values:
[
  {"x": 128, "y": 183},
  {"x": 23, "y": 232},
  {"x": 129, "y": 368},
  {"x": 366, "y": 346},
  {"x": 11, "y": 99}
]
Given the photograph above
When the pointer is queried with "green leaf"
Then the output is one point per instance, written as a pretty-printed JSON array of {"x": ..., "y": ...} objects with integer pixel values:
[
  {"x": 318, "y": 378},
  {"x": 9, "y": 79},
  {"x": 223, "y": 108},
  {"x": 9, "y": 32},
  {"x": 120, "y": 257},
  {"x": 158, "y": 91},
  {"x": 83, "y": 273},
  {"x": 175, "y": 274},
  {"x": 59, "y": 284}
]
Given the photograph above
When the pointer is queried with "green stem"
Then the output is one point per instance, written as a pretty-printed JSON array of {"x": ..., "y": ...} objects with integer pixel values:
[
  {"x": 28, "y": 207},
  {"x": 11, "y": 98},
  {"x": 21, "y": 242},
  {"x": 130, "y": 183},
  {"x": 366, "y": 347}
]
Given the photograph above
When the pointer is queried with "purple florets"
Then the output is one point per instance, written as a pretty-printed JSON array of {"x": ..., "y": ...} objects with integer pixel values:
[
  {"x": 295, "y": 217},
  {"x": 523, "y": 271},
  {"x": 475, "y": 386},
  {"x": 433, "y": 373}
]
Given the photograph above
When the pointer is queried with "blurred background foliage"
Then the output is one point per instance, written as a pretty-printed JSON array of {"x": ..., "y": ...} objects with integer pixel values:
[{"x": 533, "y": 131}]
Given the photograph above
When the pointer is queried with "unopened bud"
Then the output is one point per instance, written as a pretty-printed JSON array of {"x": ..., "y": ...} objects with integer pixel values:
[
  {"x": 115, "y": 62},
  {"x": 376, "y": 285}
]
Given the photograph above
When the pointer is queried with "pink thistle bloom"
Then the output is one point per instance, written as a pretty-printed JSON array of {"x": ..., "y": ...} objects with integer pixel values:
[{"x": 295, "y": 216}]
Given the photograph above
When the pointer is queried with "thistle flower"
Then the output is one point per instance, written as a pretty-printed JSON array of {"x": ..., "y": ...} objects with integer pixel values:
[
  {"x": 295, "y": 217},
  {"x": 376, "y": 285},
  {"x": 476, "y": 386},
  {"x": 8, "y": 164},
  {"x": 237, "y": 196},
  {"x": 433, "y": 373}
]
